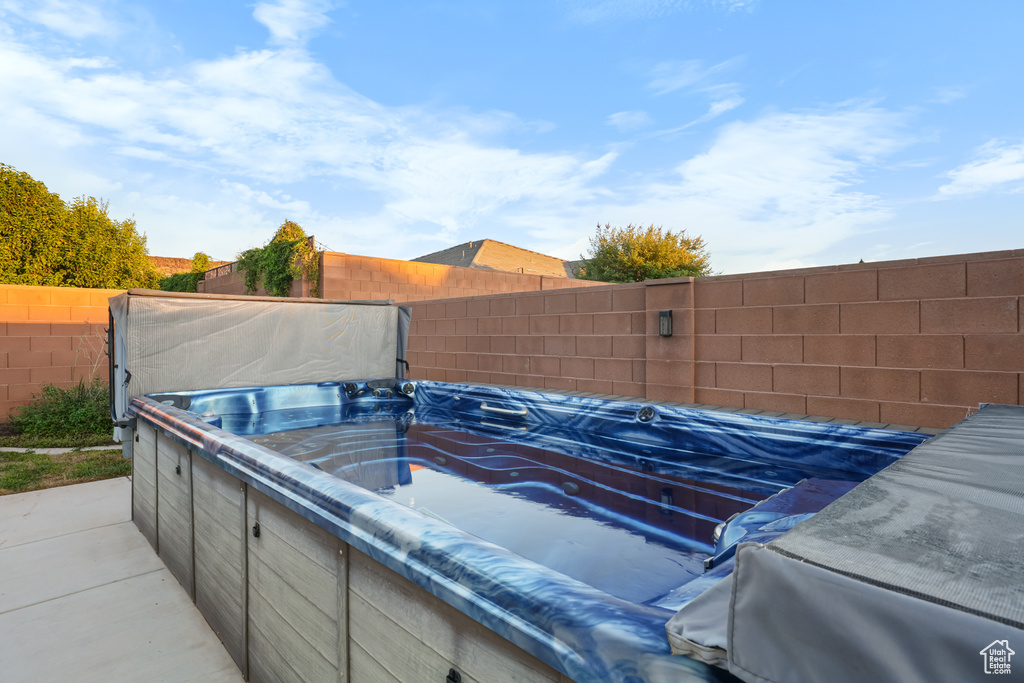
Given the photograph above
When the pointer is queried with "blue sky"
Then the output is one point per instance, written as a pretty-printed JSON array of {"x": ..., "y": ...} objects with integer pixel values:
[{"x": 787, "y": 134}]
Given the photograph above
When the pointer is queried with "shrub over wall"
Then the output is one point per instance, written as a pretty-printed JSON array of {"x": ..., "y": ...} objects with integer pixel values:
[
  {"x": 635, "y": 254},
  {"x": 46, "y": 241},
  {"x": 187, "y": 282}
]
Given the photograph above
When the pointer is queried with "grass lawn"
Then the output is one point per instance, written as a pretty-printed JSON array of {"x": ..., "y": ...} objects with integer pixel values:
[
  {"x": 21, "y": 472},
  {"x": 9, "y": 436},
  {"x": 66, "y": 441},
  {"x": 76, "y": 417},
  {"x": 62, "y": 418}
]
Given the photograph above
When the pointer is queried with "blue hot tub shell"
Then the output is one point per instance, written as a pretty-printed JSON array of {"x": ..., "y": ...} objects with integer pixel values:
[{"x": 774, "y": 473}]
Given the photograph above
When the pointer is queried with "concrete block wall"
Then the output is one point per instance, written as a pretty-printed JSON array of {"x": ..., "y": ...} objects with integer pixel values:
[
  {"x": 232, "y": 282},
  {"x": 54, "y": 335},
  {"x": 919, "y": 342},
  {"x": 347, "y": 276},
  {"x": 49, "y": 335},
  {"x": 584, "y": 339}
]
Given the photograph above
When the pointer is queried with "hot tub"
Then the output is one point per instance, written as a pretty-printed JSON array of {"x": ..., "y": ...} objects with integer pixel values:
[{"x": 328, "y": 530}]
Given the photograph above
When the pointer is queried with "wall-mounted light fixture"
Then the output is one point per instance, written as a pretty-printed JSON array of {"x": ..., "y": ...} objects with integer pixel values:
[{"x": 665, "y": 323}]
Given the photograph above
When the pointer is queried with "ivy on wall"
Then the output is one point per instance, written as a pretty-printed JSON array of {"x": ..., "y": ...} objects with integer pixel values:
[{"x": 275, "y": 265}]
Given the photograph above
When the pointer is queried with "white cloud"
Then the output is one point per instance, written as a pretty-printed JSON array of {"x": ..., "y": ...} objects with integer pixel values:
[
  {"x": 90, "y": 63},
  {"x": 215, "y": 154},
  {"x": 670, "y": 76},
  {"x": 590, "y": 11},
  {"x": 786, "y": 175},
  {"x": 774, "y": 191},
  {"x": 720, "y": 107},
  {"x": 693, "y": 77},
  {"x": 735, "y": 5},
  {"x": 997, "y": 166},
  {"x": 272, "y": 118},
  {"x": 291, "y": 22},
  {"x": 714, "y": 111},
  {"x": 629, "y": 120},
  {"x": 779, "y": 188},
  {"x": 220, "y": 223},
  {"x": 248, "y": 195},
  {"x": 73, "y": 18},
  {"x": 948, "y": 94}
]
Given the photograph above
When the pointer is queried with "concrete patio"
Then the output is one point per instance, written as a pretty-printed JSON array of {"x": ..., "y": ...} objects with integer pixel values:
[{"x": 84, "y": 597}]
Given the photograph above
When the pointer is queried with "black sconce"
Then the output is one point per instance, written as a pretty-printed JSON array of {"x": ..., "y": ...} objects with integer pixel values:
[{"x": 665, "y": 323}]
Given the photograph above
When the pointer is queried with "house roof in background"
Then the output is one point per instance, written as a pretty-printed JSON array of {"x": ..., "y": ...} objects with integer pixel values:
[
  {"x": 459, "y": 255},
  {"x": 494, "y": 255}
]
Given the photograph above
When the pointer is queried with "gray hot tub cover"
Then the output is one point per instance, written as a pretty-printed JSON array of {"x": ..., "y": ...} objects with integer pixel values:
[
  {"x": 917, "y": 574},
  {"x": 165, "y": 342}
]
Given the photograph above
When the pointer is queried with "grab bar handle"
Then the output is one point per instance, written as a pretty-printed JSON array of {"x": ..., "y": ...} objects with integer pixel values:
[{"x": 522, "y": 412}]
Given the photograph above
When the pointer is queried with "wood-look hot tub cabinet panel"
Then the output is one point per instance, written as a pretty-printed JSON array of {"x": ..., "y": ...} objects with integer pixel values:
[
  {"x": 174, "y": 510},
  {"x": 297, "y": 593},
  {"x": 219, "y": 548},
  {"x": 144, "y": 494},
  {"x": 400, "y": 629},
  {"x": 295, "y": 603}
]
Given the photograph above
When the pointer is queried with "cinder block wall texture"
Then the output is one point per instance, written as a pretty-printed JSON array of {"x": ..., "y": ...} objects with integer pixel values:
[
  {"x": 233, "y": 282},
  {"x": 577, "y": 339},
  {"x": 918, "y": 342},
  {"x": 49, "y": 335},
  {"x": 347, "y": 276}
]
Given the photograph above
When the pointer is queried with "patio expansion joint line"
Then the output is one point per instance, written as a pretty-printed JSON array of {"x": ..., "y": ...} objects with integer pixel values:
[
  {"x": 84, "y": 590},
  {"x": 68, "y": 533}
]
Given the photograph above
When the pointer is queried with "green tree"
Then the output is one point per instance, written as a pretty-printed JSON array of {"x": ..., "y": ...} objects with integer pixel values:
[
  {"x": 200, "y": 263},
  {"x": 275, "y": 265},
  {"x": 634, "y": 254},
  {"x": 32, "y": 230},
  {"x": 46, "y": 241},
  {"x": 106, "y": 253},
  {"x": 187, "y": 282}
]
